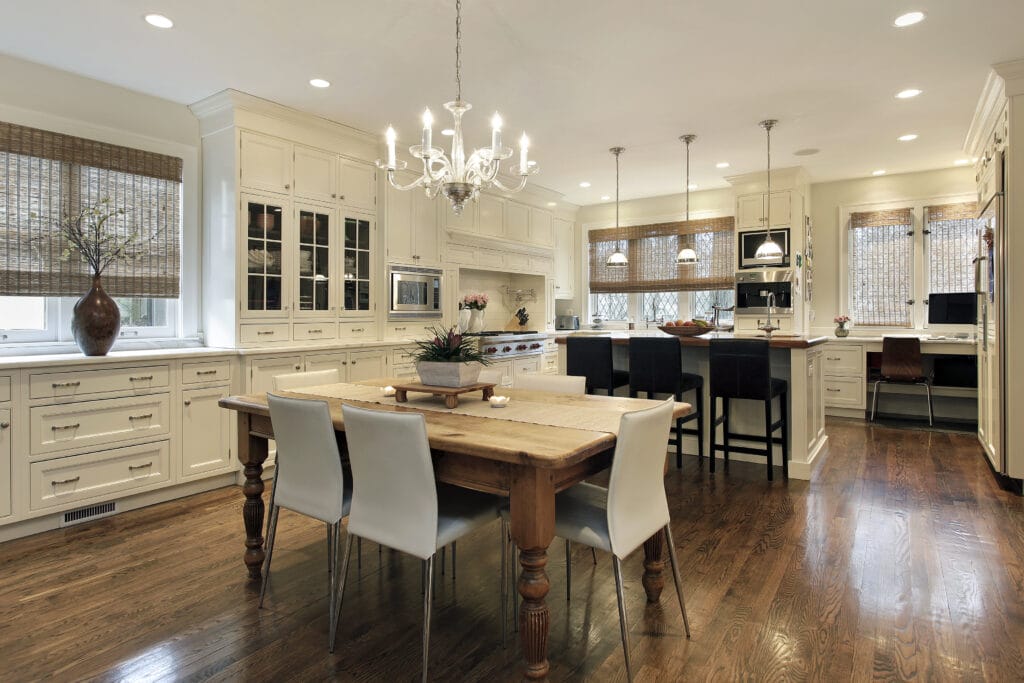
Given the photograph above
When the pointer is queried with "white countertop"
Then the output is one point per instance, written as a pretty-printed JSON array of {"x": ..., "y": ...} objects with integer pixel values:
[{"x": 14, "y": 362}]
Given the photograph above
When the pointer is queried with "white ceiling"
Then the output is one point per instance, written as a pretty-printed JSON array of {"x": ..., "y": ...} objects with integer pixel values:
[{"x": 579, "y": 75}]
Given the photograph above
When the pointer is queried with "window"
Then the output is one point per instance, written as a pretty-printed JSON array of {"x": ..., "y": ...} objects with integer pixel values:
[
  {"x": 660, "y": 305},
  {"x": 657, "y": 307},
  {"x": 610, "y": 306},
  {"x": 951, "y": 240}
]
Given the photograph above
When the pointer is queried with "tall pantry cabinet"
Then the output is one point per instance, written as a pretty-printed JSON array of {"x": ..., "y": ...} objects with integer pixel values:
[{"x": 289, "y": 225}]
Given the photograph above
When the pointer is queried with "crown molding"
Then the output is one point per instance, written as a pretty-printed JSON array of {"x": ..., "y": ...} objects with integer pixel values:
[
  {"x": 1012, "y": 74},
  {"x": 986, "y": 113}
]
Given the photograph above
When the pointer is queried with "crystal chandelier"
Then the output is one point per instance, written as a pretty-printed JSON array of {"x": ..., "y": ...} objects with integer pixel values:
[
  {"x": 769, "y": 249},
  {"x": 617, "y": 259},
  {"x": 687, "y": 255},
  {"x": 460, "y": 179}
]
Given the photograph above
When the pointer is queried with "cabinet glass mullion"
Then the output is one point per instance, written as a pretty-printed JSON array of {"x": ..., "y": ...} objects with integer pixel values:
[
  {"x": 357, "y": 264},
  {"x": 314, "y": 260},
  {"x": 264, "y": 258}
]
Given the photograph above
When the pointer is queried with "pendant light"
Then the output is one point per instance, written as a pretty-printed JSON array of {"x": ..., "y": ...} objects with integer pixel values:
[
  {"x": 769, "y": 249},
  {"x": 687, "y": 255},
  {"x": 617, "y": 259}
]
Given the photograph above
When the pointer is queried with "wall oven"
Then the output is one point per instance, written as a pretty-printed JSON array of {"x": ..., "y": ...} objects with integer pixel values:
[
  {"x": 753, "y": 288},
  {"x": 750, "y": 240},
  {"x": 415, "y": 292}
]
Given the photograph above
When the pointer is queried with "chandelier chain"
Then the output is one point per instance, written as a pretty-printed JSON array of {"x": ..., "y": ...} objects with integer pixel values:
[{"x": 458, "y": 50}]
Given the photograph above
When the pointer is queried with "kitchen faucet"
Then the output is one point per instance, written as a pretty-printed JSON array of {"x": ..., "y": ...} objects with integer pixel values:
[{"x": 768, "y": 328}]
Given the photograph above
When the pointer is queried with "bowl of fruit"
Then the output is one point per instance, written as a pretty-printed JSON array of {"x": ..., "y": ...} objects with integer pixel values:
[{"x": 685, "y": 328}]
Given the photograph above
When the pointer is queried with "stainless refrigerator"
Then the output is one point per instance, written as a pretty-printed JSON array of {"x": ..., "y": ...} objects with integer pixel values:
[{"x": 990, "y": 270}]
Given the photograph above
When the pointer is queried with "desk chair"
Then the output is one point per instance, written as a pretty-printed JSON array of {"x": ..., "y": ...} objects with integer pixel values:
[
  {"x": 591, "y": 357},
  {"x": 395, "y": 501},
  {"x": 902, "y": 364},
  {"x": 741, "y": 369},
  {"x": 308, "y": 479}
]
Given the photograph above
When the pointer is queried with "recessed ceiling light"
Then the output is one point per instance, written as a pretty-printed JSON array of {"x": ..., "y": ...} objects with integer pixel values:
[
  {"x": 159, "y": 20},
  {"x": 909, "y": 137},
  {"x": 961, "y": 162},
  {"x": 692, "y": 186},
  {"x": 880, "y": 171},
  {"x": 722, "y": 164},
  {"x": 448, "y": 131},
  {"x": 605, "y": 197},
  {"x": 552, "y": 203},
  {"x": 908, "y": 19},
  {"x": 319, "y": 83},
  {"x": 584, "y": 184},
  {"x": 908, "y": 93},
  {"x": 806, "y": 152}
]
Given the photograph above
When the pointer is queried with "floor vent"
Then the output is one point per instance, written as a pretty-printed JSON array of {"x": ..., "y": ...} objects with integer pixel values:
[{"x": 86, "y": 514}]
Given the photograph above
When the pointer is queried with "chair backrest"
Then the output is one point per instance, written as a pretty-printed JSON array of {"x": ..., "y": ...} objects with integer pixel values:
[
  {"x": 298, "y": 380},
  {"x": 637, "y": 506},
  {"x": 309, "y": 478},
  {"x": 556, "y": 384},
  {"x": 394, "y": 496},
  {"x": 901, "y": 359},
  {"x": 590, "y": 357},
  {"x": 491, "y": 375},
  {"x": 740, "y": 368},
  {"x": 655, "y": 365}
]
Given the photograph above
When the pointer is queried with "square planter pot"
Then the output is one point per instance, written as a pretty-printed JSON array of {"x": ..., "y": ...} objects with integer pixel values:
[{"x": 448, "y": 374}]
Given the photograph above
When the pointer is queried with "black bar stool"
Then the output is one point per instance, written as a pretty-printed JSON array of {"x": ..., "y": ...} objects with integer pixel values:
[
  {"x": 656, "y": 367},
  {"x": 591, "y": 357},
  {"x": 741, "y": 368}
]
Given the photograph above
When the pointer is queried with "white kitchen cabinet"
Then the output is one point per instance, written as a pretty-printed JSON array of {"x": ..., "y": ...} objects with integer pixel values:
[
  {"x": 5, "y": 461},
  {"x": 464, "y": 222},
  {"x": 266, "y": 163},
  {"x": 364, "y": 365},
  {"x": 358, "y": 185},
  {"x": 541, "y": 229},
  {"x": 530, "y": 365},
  {"x": 359, "y": 239},
  {"x": 315, "y": 174},
  {"x": 263, "y": 370},
  {"x": 491, "y": 216},
  {"x": 205, "y": 432},
  {"x": 412, "y": 227},
  {"x": 751, "y": 211},
  {"x": 315, "y": 261},
  {"x": 505, "y": 366},
  {"x": 265, "y": 265},
  {"x": 815, "y": 411},
  {"x": 565, "y": 259},
  {"x": 517, "y": 221},
  {"x": 844, "y": 377}
]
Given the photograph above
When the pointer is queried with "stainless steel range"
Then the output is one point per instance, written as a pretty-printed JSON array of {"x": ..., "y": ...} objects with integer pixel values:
[{"x": 498, "y": 344}]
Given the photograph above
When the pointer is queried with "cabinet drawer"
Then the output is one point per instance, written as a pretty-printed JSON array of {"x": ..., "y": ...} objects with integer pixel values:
[
  {"x": 367, "y": 330},
  {"x": 844, "y": 392},
  {"x": 550, "y": 364},
  {"x": 844, "y": 359},
  {"x": 216, "y": 371},
  {"x": 5, "y": 389},
  {"x": 85, "y": 382},
  {"x": 93, "y": 475},
  {"x": 531, "y": 365},
  {"x": 307, "y": 331},
  {"x": 410, "y": 329},
  {"x": 94, "y": 423},
  {"x": 402, "y": 357},
  {"x": 407, "y": 372},
  {"x": 264, "y": 334}
]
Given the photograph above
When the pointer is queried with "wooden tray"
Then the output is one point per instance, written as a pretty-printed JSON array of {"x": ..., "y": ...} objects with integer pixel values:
[
  {"x": 451, "y": 394},
  {"x": 684, "y": 331}
]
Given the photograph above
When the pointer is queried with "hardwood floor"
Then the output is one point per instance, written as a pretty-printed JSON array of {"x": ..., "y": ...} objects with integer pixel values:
[{"x": 902, "y": 559}]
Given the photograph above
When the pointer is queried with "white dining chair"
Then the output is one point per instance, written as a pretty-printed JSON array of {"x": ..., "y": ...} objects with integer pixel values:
[
  {"x": 395, "y": 501},
  {"x": 633, "y": 508},
  {"x": 308, "y": 479},
  {"x": 557, "y": 384},
  {"x": 298, "y": 380}
]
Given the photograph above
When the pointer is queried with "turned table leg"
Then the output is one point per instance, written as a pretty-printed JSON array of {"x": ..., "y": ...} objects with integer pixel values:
[
  {"x": 654, "y": 562},
  {"x": 532, "y": 502},
  {"x": 252, "y": 453}
]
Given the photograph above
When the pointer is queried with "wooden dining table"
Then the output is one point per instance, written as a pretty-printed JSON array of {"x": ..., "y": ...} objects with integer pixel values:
[{"x": 527, "y": 462}]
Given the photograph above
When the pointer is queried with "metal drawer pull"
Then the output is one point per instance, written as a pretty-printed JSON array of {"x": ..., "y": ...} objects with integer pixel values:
[
  {"x": 58, "y": 385},
  {"x": 260, "y": 333},
  {"x": 140, "y": 378},
  {"x": 357, "y": 329},
  {"x": 206, "y": 372},
  {"x": 140, "y": 467},
  {"x": 72, "y": 480},
  {"x": 316, "y": 331},
  {"x": 140, "y": 417},
  {"x": 832, "y": 358},
  {"x": 61, "y": 428},
  {"x": 834, "y": 391},
  {"x": 399, "y": 329}
]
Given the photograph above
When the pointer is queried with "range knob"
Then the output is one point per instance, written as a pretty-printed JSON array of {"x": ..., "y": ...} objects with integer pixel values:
[
  {"x": 521, "y": 347},
  {"x": 491, "y": 349},
  {"x": 506, "y": 349},
  {"x": 534, "y": 346}
]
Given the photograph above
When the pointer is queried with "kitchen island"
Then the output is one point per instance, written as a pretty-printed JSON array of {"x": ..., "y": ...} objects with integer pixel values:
[{"x": 796, "y": 359}]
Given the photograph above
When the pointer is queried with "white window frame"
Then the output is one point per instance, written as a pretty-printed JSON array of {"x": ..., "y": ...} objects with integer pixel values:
[{"x": 918, "y": 267}]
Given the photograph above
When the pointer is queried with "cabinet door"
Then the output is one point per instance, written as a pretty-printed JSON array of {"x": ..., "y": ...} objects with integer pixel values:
[
  {"x": 315, "y": 174},
  {"x": 357, "y": 264},
  {"x": 328, "y": 361},
  {"x": 5, "y": 462},
  {"x": 565, "y": 259},
  {"x": 266, "y": 163},
  {"x": 527, "y": 366},
  {"x": 263, "y": 370},
  {"x": 506, "y": 371},
  {"x": 426, "y": 238},
  {"x": 399, "y": 231},
  {"x": 315, "y": 261},
  {"x": 358, "y": 186},
  {"x": 781, "y": 209},
  {"x": 541, "y": 228},
  {"x": 517, "y": 221},
  {"x": 750, "y": 211},
  {"x": 265, "y": 258},
  {"x": 204, "y": 432},
  {"x": 491, "y": 216},
  {"x": 363, "y": 365}
]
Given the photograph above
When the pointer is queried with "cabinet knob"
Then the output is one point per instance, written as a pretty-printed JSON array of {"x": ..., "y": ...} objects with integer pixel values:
[
  {"x": 4, "y": 425},
  {"x": 344, "y": 362},
  {"x": 188, "y": 402},
  {"x": 298, "y": 367},
  {"x": 287, "y": 187},
  {"x": 334, "y": 195},
  {"x": 341, "y": 197}
]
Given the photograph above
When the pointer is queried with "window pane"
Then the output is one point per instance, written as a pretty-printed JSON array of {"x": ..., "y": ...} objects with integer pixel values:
[
  {"x": 705, "y": 300},
  {"x": 880, "y": 275},
  {"x": 142, "y": 312},
  {"x": 952, "y": 246},
  {"x": 22, "y": 312},
  {"x": 660, "y": 306},
  {"x": 610, "y": 306}
]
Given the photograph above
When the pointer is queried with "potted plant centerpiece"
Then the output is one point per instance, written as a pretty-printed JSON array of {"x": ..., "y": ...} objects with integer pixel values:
[{"x": 449, "y": 359}]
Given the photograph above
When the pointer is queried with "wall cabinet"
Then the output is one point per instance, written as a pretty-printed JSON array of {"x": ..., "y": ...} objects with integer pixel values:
[
  {"x": 500, "y": 218},
  {"x": 315, "y": 174},
  {"x": 490, "y": 216},
  {"x": 266, "y": 163},
  {"x": 412, "y": 227},
  {"x": 205, "y": 432},
  {"x": 565, "y": 259},
  {"x": 5, "y": 461},
  {"x": 517, "y": 221},
  {"x": 541, "y": 231},
  {"x": 751, "y": 210}
]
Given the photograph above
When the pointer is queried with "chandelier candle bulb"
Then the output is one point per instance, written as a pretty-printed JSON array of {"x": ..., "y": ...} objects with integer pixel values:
[
  {"x": 495, "y": 135},
  {"x": 428, "y": 132},
  {"x": 524, "y": 145},
  {"x": 390, "y": 137}
]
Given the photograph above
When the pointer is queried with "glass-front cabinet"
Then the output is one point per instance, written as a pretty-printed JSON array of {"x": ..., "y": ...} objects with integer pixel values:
[
  {"x": 315, "y": 250},
  {"x": 357, "y": 296},
  {"x": 266, "y": 285}
]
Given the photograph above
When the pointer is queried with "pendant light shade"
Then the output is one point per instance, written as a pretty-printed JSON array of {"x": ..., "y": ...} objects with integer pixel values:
[
  {"x": 617, "y": 259},
  {"x": 769, "y": 249},
  {"x": 687, "y": 255}
]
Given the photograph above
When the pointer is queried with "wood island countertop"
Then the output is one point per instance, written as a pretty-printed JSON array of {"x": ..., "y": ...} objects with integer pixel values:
[{"x": 776, "y": 342}]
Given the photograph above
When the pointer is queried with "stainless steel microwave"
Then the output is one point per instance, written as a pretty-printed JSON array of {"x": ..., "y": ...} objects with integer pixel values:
[
  {"x": 750, "y": 240},
  {"x": 415, "y": 292}
]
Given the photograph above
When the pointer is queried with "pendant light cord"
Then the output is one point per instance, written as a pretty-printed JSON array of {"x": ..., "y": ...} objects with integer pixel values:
[
  {"x": 768, "y": 212},
  {"x": 687, "y": 181},
  {"x": 616, "y": 189},
  {"x": 458, "y": 50}
]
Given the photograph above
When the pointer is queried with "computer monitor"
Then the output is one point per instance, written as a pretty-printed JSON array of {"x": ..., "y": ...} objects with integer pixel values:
[{"x": 960, "y": 308}]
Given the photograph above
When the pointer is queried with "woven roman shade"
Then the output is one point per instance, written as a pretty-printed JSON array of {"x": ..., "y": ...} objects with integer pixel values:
[
  {"x": 952, "y": 243},
  {"x": 652, "y": 249},
  {"x": 880, "y": 262},
  {"x": 45, "y": 175}
]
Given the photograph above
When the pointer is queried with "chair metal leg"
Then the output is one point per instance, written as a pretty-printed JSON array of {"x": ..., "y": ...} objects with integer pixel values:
[
  {"x": 271, "y": 533},
  {"x": 675, "y": 576},
  {"x": 874, "y": 400},
  {"x": 340, "y": 578},
  {"x": 568, "y": 570},
  {"x": 332, "y": 559},
  {"x": 443, "y": 559},
  {"x": 928, "y": 391},
  {"x": 768, "y": 448},
  {"x": 454, "y": 547},
  {"x": 330, "y": 543},
  {"x": 617, "y": 565},
  {"x": 428, "y": 599},
  {"x": 593, "y": 553}
]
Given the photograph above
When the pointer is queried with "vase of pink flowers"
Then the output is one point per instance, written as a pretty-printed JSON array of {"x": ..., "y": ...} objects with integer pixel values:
[
  {"x": 841, "y": 322},
  {"x": 476, "y": 303}
]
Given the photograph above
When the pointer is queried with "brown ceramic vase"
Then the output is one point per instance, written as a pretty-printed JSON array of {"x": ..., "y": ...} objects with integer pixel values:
[{"x": 96, "y": 321}]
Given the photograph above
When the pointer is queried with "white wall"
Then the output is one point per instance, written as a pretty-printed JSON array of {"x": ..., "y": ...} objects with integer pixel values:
[
  {"x": 500, "y": 309},
  {"x": 41, "y": 97}
]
